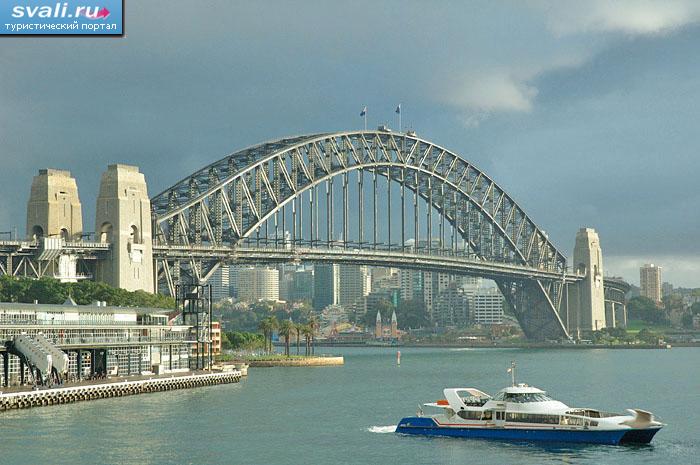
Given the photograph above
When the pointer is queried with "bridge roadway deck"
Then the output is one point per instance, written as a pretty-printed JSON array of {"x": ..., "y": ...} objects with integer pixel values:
[
  {"x": 436, "y": 263},
  {"x": 32, "y": 247},
  {"x": 445, "y": 263}
]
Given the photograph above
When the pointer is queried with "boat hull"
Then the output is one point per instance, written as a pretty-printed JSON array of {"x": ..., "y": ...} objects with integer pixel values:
[{"x": 425, "y": 426}]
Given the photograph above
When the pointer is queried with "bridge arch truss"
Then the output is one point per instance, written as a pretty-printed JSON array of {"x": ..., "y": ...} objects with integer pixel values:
[{"x": 375, "y": 197}]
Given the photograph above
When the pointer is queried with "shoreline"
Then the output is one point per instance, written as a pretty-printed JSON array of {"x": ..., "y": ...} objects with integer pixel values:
[
  {"x": 282, "y": 361},
  {"x": 517, "y": 346}
]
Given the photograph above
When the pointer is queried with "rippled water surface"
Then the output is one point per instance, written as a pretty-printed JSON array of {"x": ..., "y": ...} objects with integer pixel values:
[{"x": 346, "y": 414}]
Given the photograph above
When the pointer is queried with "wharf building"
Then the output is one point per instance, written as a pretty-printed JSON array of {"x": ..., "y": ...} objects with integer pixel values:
[{"x": 99, "y": 340}]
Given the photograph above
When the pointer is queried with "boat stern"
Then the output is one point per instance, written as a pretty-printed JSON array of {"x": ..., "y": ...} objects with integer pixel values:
[{"x": 415, "y": 425}]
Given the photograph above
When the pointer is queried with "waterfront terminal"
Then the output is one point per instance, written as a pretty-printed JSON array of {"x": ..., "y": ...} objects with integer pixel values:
[{"x": 98, "y": 340}]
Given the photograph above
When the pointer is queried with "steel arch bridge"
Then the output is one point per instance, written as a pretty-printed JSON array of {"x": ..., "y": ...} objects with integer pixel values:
[{"x": 367, "y": 197}]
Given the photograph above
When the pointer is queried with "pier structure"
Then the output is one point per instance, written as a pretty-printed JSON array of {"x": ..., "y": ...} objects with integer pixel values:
[
  {"x": 65, "y": 395},
  {"x": 98, "y": 340}
]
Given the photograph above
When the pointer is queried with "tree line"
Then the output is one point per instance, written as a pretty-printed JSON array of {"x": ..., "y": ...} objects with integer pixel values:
[
  {"x": 287, "y": 328},
  {"x": 51, "y": 291}
]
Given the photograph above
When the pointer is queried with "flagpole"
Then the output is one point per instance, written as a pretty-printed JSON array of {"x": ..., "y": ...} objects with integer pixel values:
[{"x": 365, "y": 120}]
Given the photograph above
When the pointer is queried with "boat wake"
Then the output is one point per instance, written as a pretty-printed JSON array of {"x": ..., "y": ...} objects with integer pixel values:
[{"x": 382, "y": 429}]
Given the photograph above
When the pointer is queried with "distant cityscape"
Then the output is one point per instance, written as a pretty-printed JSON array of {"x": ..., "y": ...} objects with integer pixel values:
[
  {"x": 346, "y": 293},
  {"x": 348, "y": 298}
]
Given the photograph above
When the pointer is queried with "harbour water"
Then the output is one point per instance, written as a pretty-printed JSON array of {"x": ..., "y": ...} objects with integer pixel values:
[{"x": 345, "y": 414}]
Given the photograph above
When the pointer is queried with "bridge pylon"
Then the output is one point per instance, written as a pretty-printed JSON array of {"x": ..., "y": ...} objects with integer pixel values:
[
  {"x": 587, "y": 297},
  {"x": 54, "y": 206},
  {"x": 123, "y": 219}
]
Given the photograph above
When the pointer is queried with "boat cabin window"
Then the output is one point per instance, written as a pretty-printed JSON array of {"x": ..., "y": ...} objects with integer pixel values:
[
  {"x": 521, "y": 398},
  {"x": 532, "y": 418},
  {"x": 469, "y": 414},
  {"x": 590, "y": 413},
  {"x": 474, "y": 401}
]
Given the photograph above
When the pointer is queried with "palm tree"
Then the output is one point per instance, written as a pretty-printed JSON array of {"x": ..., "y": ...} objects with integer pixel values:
[
  {"x": 275, "y": 325},
  {"x": 308, "y": 334},
  {"x": 266, "y": 327},
  {"x": 286, "y": 329},
  {"x": 313, "y": 323},
  {"x": 298, "y": 327}
]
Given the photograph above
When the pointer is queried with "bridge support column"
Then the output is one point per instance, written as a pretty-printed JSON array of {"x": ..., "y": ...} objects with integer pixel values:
[
  {"x": 587, "y": 297},
  {"x": 534, "y": 308},
  {"x": 124, "y": 220}
]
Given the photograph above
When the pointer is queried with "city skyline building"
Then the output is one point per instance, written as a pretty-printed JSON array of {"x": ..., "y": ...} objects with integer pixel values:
[
  {"x": 411, "y": 284},
  {"x": 452, "y": 306},
  {"x": 650, "y": 282},
  {"x": 326, "y": 283},
  {"x": 354, "y": 283},
  {"x": 220, "y": 283},
  {"x": 254, "y": 284},
  {"x": 488, "y": 306}
]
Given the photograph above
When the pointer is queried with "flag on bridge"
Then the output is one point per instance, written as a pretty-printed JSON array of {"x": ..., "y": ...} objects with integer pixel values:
[
  {"x": 364, "y": 111},
  {"x": 398, "y": 109}
]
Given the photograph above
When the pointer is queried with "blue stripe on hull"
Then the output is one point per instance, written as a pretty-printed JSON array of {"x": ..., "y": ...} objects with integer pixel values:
[{"x": 427, "y": 427}]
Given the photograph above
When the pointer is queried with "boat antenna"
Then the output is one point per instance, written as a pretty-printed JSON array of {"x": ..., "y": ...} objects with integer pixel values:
[{"x": 511, "y": 370}]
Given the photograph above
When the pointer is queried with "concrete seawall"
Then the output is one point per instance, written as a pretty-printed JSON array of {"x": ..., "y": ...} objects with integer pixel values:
[
  {"x": 298, "y": 362},
  {"x": 28, "y": 399}
]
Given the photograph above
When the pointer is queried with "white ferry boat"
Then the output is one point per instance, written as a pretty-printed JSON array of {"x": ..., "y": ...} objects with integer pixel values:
[{"x": 525, "y": 413}]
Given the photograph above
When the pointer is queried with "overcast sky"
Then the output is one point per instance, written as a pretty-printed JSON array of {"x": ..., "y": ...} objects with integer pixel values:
[{"x": 585, "y": 112}]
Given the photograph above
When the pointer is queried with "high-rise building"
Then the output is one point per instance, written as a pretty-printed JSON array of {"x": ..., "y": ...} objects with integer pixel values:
[
  {"x": 488, "y": 306},
  {"x": 650, "y": 282},
  {"x": 326, "y": 279},
  {"x": 257, "y": 283},
  {"x": 411, "y": 282},
  {"x": 220, "y": 284},
  {"x": 451, "y": 307},
  {"x": 385, "y": 278},
  {"x": 354, "y": 283},
  {"x": 666, "y": 289},
  {"x": 302, "y": 286},
  {"x": 433, "y": 285}
]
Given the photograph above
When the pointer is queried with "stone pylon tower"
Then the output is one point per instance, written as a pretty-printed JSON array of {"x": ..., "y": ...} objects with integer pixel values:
[
  {"x": 587, "y": 298},
  {"x": 123, "y": 218},
  {"x": 378, "y": 332},
  {"x": 394, "y": 326},
  {"x": 54, "y": 206}
]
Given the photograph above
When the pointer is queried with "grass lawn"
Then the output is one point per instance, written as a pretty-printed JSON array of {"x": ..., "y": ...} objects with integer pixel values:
[{"x": 634, "y": 326}]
